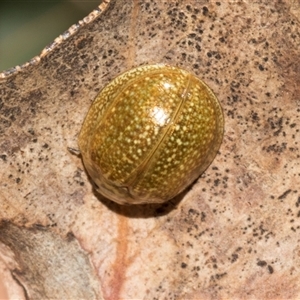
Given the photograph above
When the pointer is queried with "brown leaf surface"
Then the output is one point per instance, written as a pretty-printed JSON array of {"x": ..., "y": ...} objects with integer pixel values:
[{"x": 234, "y": 234}]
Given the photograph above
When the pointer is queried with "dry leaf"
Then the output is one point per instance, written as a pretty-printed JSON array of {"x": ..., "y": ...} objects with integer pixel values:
[{"x": 233, "y": 234}]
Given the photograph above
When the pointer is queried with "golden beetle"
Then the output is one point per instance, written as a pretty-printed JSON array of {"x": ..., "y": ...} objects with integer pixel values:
[{"x": 150, "y": 133}]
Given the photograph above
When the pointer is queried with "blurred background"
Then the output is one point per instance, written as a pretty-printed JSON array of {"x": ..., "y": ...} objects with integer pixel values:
[{"x": 26, "y": 27}]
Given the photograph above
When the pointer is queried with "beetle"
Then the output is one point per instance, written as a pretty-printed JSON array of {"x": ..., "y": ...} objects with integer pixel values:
[{"x": 150, "y": 133}]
